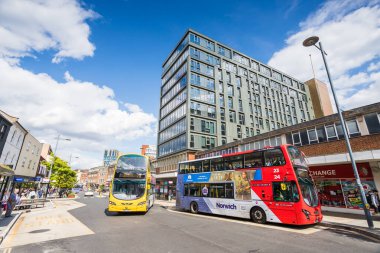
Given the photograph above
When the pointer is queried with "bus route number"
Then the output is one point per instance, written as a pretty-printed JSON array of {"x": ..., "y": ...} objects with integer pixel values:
[{"x": 276, "y": 175}]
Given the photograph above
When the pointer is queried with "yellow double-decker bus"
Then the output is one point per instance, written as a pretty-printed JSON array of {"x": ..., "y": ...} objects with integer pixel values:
[{"x": 132, "y": 187}]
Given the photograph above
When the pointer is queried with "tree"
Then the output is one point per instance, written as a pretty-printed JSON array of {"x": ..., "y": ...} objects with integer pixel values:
[{"x": 62, "y": 176}]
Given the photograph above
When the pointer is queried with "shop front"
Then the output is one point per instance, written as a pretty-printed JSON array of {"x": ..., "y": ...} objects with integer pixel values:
[
  {"x": 166, "y": 186},
  {"x": 337, "y": 188},
  {"x": 6, "y": 173}
]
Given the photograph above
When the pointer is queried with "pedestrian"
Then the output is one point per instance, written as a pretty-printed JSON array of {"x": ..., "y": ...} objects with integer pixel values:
[
  {"x": 170, "y": 195},
  {"x": 374, "y": 197},
  {"x": 39, "y": 193},
  {"x": 11, "y": 203},
  {"x": 32, "y": 194}
]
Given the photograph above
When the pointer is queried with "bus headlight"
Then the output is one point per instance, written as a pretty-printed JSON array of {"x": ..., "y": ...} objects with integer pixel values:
[
  {"x": 141, "y": 203},
  {"x": 112, "y": 203},
  {"x": 307, "y": 213}
]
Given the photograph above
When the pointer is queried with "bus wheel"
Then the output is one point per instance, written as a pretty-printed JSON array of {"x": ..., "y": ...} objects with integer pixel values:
[
  {"x": 193, "y": 207},
  {"x": 258, "y": 215},
  {"x": 109, "y": 213}
]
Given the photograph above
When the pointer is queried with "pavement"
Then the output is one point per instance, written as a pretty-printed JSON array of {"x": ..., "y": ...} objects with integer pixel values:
[
  {"x": 6, "y": 224},
  {"x": 81, "y": 226}
]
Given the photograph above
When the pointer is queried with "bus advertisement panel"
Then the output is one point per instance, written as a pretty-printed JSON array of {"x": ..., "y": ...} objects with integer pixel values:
[{"x": 272, "y": 185}]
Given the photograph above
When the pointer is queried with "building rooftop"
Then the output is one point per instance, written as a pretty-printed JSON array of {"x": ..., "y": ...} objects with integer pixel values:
[{"x": 352, "y": 113}]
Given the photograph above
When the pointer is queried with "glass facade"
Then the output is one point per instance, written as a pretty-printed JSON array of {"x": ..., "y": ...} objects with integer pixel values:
[
  {"x": 174, "y": 103},
  {"x": 172, "y": 146},
  {"x": 213, "y": 78},
  {"x": 172, "y": 117}
]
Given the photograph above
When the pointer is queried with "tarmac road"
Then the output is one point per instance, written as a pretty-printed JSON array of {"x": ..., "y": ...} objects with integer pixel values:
[{"x": 163, "y": 230}]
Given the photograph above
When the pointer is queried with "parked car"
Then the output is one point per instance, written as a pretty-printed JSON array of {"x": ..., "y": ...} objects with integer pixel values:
[{"x": 89, "y": 194}]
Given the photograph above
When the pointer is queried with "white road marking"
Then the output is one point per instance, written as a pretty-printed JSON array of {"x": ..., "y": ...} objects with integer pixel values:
[{"x": 298, "y": 230}]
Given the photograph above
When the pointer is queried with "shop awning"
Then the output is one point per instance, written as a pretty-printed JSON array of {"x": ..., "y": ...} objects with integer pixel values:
[{"x": 5, "y": 170}]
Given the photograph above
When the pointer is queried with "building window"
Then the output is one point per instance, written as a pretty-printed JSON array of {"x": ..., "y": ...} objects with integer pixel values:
[
  {"x": 223, "y": 128},
  {"x": 23, "y": 162},
  {"x": 192, "y": 124},
  {"x": 304, "y": 138},
  {"x": 238, "y": 81},
  {"x": 221, "y": 90},
  {"x": 222, "y": 114},
  {"x": 313, "y": 137},
  {"x": 331, "y": 132},
  {"x": 373, "y": 124},
  {"x": 13, "y": 135},
  {"x": 230, "y": 90},
  {"x": 296, "y": 138},
  {"x": 221, "y": 100},
  {"x": 353, "y": 129},
  {"x": 241, "y": 119},
  {"x": 240, "y": 106},
  {"x": 339, "y": 131},
  {"x": 230, "y": 103},
  {"x": 232, "y": 117},
  {"x": 321, "y": 134}
]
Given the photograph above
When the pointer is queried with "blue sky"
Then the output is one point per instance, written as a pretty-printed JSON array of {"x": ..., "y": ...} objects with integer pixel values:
[
  {"x": 91, "y": 70},
  {"x": 133, "y": 38}
]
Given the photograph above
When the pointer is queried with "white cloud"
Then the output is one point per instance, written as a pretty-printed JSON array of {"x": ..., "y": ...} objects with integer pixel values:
[
  {"x": 374, "y": 66},
  {"x": 87, "y": 113},
  {"x": 350, "y": 33},
  {"x": 29, "y": 26},
  {"x": 81, "y": 110}
]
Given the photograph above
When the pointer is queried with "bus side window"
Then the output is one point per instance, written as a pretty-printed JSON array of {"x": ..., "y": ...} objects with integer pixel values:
[
  {"x": 217, "y": 164},
  {"x": 206, "y": 166},
  {"x": 186, "y": 190},
  {"x": 191, "y": 168},
  {"x": 198, "y": 166},
  {"x": 274, "y": 157},
  {"x": 184, "y": 167},
  {"x": 253, "y": 160}
]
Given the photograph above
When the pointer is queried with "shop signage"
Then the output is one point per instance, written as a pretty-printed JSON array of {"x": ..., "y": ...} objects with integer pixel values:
[
  {"x": 45, "y": 180},
  {"x": 19, "y": 179},
  {"x": 170, "y": 182},
  {"x": 341, "y": 171}
]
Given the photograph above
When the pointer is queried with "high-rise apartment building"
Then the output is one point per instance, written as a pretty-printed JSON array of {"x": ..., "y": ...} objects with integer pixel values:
[
  {"x": 212, "y": 94},
  {"x": 110, "y": 156}
]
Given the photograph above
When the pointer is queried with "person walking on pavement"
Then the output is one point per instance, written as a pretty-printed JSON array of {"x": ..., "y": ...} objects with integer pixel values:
[
  {"x": 11, "y": 203},
  {"x": 170, "y": 195},
  {"x": 374, "y": 197}
]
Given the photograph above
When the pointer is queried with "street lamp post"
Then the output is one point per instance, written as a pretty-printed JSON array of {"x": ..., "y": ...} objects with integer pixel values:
[
  {"x": 52, "y": 163},
  {"x": 71, "y": 156},
  {"x": 311, "y": 42}
]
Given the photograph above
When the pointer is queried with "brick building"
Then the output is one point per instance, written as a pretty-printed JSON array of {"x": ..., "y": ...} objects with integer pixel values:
[{"x": 323, "y": 143}]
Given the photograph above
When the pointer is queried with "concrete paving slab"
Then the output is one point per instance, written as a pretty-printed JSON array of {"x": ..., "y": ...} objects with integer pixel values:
[{"x": 46, "y": 225}]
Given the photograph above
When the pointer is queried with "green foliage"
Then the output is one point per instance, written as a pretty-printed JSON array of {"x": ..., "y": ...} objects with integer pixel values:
[{"x": 62, "y": 176}]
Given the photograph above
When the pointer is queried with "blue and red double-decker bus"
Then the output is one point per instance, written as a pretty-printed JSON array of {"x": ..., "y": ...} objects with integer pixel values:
[{"x": 267, "y": 185}]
